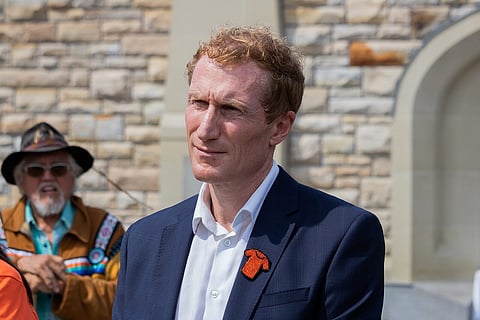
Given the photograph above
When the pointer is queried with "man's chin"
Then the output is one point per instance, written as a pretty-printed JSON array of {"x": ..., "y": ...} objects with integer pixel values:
[
  {"x": 208, "y": 178},
  {"x": 48, "y": 208}
]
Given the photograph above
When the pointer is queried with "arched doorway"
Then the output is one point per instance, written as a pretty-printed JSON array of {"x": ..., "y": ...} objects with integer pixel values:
[{"x": 436, "y": 159}]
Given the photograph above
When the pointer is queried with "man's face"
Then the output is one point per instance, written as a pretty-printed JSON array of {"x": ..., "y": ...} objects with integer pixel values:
[
  {"x": 48, "y": 191},
  {"x": 229, "y": 140}
]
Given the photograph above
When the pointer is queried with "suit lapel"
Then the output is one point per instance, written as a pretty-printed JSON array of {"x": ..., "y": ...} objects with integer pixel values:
[
  {"x": 270, "y": 235},
  {"x": 173, "y": 249}
]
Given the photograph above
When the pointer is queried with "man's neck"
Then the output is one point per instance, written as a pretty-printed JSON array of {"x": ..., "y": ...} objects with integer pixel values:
[
  {"x": 226, "y": 201},
  {"x": 47, "y": 223}
]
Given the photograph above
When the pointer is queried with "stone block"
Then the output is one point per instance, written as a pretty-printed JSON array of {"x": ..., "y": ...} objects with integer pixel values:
[
  {"x": 141, "y": 44},
  {"x": 36, "y": 99},
  {"x": 375, "y": 192},
  {"x": 346, "y": 182},
  {"x": 142, "y": 134},
  {"x": 318, "y": 177},
  {"x": 23, "y": 55},
  {"x": 16, "y": 10},
  {"x": 157, "y": 68},
  {"x": 381, "y": 167},
  {"x": 348, "y": 194},
  {"x": 33, "y": 78},
  {"x": 109, "y": 128},
  {"x": 337, "y": 77},
  {"x": 362, "y": 105},
  {"x": 147, "y": 155},
  {"x": 130, "y": 200},
  {"x": 16, "y": 123},
  {"x": 83, "y": 31},
  {"x": 6, "y": 95},
  {"x": 157, "y": 20},
  {"x": 153, "y": 111},
  {"x": 315, "y": 15},
  {"x": 152, "y": 3},
  {"x": 57, "y": 119},
  {"x": 394, "y": 31},
  {"x": 425, "y": 18},
  {"x": 79, "y": 77},
  {"x": 120, "y": 27},
  {"x": 122, "y": 62},
  {"x": 71, "y": 14},
  {"x": 381, "y": 81},
  {"x": 354, "y": 32},
  {"x": 314, "y": 99},
  {"x": 114, "y": 107},
  {"x": 82, "y": 127},
  {"x": 306, "y": 148},
  {"x": 100, "y": 199},
  {"x": 40, "y": 32},
  {"x": 366, "y": 11},
  {"x": 59, "y": 4},
  {"x": 310, "y": 39},
  {"x": 317, "y": 123},
  {"x": 139, "y": 179},
  {"x": 373, "y": 139},
  {"x": 11, "y": 32},
  {"x": 337, "y": 144},
  {"x": 111, "y": 84},
  {"x": 148, "y": 91}
]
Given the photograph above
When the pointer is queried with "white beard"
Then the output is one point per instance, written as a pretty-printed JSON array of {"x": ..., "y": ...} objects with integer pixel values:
[{"x": 48, "y": 206}]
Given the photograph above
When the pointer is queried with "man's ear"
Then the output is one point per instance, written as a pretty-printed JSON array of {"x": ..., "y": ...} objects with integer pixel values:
[{"x": 282, "y": 127}]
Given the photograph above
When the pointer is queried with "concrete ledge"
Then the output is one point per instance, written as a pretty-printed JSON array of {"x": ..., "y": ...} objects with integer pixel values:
[{"x": 428, "y": 300}]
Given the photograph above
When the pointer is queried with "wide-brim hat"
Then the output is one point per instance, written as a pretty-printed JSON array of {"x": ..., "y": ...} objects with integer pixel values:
[{"x": 42, "y": 138}]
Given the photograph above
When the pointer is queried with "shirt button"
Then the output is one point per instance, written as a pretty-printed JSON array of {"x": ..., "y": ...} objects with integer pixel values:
[
  {"x": 214, "y": 294},
  {"x": 227, "y": 242}
]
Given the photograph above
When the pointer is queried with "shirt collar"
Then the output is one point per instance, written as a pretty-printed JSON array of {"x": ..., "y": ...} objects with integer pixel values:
[{"x": 251, "y": 208}]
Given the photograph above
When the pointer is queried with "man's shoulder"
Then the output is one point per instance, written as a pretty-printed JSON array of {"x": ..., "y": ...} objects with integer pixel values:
[{"x": 330, "y": 204}]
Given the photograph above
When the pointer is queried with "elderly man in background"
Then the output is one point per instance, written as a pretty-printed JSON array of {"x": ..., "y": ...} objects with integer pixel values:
[{"x": 67, "y": 251}]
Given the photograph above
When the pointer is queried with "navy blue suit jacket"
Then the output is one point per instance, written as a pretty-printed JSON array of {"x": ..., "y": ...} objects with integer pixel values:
[{"x": 326, "y": 260}]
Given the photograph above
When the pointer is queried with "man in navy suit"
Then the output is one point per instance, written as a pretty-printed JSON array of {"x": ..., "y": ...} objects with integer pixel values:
[{"x": 254, "y": 243}]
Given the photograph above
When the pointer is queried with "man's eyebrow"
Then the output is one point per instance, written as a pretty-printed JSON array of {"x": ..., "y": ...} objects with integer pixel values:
[
  {"x": 194, "y": 94},
  {"x": 234, "y": 102}
]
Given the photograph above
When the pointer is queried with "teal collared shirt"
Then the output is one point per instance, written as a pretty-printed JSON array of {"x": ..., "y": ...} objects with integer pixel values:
[{"x": 43, "y": 246}]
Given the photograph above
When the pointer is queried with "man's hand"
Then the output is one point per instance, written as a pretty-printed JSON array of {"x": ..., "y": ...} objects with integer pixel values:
[{"x": 44, "y": 272}]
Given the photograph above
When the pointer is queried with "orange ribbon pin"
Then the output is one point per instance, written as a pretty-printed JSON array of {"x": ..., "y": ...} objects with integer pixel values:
[{"x": 257, "y": 261}]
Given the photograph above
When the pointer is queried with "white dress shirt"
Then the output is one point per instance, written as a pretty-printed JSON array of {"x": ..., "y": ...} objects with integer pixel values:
[{"x": 215, "y": 255}]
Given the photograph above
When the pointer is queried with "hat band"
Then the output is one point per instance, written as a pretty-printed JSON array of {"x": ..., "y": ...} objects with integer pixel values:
[{"x": 45, "y": 143}]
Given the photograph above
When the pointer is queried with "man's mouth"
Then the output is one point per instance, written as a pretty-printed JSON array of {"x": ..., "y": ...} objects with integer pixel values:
[
  {"x": 207, "y": 151},
  {"x": 48, "y": 189}
]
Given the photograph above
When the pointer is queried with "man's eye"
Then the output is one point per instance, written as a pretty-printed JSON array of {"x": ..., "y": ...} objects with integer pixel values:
[
  {"x": 198, "y": 103},
  {"x": 229, "y": 108}
]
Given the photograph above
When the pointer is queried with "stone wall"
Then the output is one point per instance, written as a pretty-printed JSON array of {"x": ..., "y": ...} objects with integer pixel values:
[{"x": 96, "y": 70}]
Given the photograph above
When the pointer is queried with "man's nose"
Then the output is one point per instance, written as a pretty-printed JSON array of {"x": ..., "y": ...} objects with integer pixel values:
[
  {"x": 47, "y": 174},
  {"x": 209, "y": 125}
]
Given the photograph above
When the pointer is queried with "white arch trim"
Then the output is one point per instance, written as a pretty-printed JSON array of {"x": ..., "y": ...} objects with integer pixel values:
[{"x": 419, "y": 94}]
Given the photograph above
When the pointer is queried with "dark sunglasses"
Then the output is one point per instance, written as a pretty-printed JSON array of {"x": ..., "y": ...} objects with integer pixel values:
[{"x": 38, "y": 170}]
